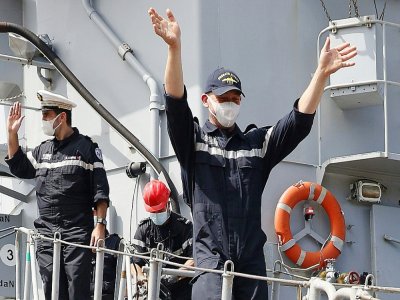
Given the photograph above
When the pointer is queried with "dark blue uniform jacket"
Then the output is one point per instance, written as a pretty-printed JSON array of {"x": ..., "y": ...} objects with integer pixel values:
[
  {"x": 175, "y": 235},
  {"x": 224, "y": 178},
  {"x": 69, "y": 176}
]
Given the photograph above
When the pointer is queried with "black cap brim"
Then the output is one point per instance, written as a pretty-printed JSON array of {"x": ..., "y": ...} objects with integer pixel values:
[{"x": 223, "y": 89}]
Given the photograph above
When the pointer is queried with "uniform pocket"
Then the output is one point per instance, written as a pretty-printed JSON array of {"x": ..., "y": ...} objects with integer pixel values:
[
  {"x": 74, "y": 179},
  {"x": 209, "y": 176},
  {"x": 40, "y": 181},
  {"x": 208, "y": 233},
  {"x": 252, "y": 179}
]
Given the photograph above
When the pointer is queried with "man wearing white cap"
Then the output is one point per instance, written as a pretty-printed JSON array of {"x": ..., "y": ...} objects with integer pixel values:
[{"x": 70, "y": 182}]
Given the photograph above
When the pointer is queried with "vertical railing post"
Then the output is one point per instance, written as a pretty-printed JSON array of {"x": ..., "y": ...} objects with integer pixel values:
[
  {"x": 98, "y": 278},
  {"x": 27, "y": 281},
  {"x": 17, "y": 268},
  {"x": 56, "y": 266},
  {"x": 153, "y": 288},
  {"x": 118, "y": 278},
  {"x": 33, "y": 268},
  {"x": 122, "y": 281},
  {"x": 275, "y": 286},
  {"x": 128, "y": 276},
  {"x": 227, "y": 280}
]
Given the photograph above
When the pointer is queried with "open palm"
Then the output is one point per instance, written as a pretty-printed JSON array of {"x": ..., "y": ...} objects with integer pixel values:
[
  {"x": 334, "y": 59},
  {"x": 15, "y": 118},
  {"x": 167, "y": 29}
]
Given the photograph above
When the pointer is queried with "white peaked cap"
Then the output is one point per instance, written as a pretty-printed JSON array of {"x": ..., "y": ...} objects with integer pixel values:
[{"x": 51, "y": 100}]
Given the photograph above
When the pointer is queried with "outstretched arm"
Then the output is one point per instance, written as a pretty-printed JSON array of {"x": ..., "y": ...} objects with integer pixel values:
[
  {"x": 14, "y": 121},
  {"x": 330, "y": 61},
  {"x": 168, "y": 29}
]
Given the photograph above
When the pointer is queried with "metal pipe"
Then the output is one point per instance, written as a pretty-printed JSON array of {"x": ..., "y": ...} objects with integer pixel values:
[
  {"x": 385, "y": 108},
  {"x": 17, "y": 267},
  {"x": 98, "y": 279},
  {"x": 120, "y": 261},
  {"x": 56, "y": 266},
  {"x": 27, "y": 282},
  {"x": 23, "y": 61},
  {"x": 178, "y": 272},
  {"x": 317, "y": 285},
  {"x": 275, "y": 286},
  {"x": 345, "y": 293},
  {"x": 125, "y": 52},
  {"x": 122, "y": 281},
  {"x": 33, "y": 268},
  {"x": 128, "y": 277},
  {"x": 22, "y": 106},
  {"x": 153, "y": 288},
  {"x": 227, "y": 281}
]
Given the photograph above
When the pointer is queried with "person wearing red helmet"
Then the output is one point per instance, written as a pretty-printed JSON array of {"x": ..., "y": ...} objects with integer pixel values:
[{"x": 172, "y": 230}]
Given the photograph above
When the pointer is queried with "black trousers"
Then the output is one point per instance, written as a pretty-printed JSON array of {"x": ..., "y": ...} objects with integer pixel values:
[{"x": 75, "y": 262}]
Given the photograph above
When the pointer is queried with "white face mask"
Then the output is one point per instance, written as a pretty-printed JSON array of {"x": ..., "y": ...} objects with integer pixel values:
[
  {"x": 226, "y": 113},
  {"x": 159, "y": 218},
  {"x": 47, "y": 126}
]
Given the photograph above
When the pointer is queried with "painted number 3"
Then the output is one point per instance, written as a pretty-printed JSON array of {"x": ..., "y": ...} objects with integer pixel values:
[{"x": 7, "y": 255}]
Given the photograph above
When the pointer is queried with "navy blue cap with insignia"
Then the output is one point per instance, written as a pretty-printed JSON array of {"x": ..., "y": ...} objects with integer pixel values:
[{"x": 221, "y": 81}]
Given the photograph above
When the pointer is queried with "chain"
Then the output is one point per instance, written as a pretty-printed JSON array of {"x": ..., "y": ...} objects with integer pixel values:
[
  {"x": 13, "y": 97},
  {"x": 325, "y": 10},
  {"x": 354, "y": 2},
  {"x": 383, "y": 12},
  {"x": 356, "y": 8},
  {"x": 349, "y": 8}
]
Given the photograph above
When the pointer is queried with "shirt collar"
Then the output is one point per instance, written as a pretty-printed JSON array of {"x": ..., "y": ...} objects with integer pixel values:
[
  {"x": 210, "y": 128},
  {"x": 68, "y": 139}
]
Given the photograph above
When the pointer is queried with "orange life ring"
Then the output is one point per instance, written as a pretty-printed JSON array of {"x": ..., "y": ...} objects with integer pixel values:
[{"x": 292, "y": 196}]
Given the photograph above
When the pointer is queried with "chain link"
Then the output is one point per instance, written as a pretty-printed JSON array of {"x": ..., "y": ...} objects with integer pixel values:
[
  {"x": 349, "y": 8},
  {"x": 13, "y": 97},
  {"x": 356, "y": 8},
  {"x": 383, "y": 12},
  {"x": 325, "y": 10},
  {"x": 354, "y": 2}
]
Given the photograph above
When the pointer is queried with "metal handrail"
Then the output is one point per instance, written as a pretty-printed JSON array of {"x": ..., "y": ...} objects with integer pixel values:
[{"x": 228, "y": 273}]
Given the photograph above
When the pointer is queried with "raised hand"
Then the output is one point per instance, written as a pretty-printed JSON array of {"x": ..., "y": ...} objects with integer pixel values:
[
  {"x": 336, "y": 58},
  {"x": 14, "y": 119},
  {"x": 167, "y": 29}
]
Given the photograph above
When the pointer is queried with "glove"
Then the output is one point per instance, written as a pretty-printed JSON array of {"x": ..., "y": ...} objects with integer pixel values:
[{"x": 169, "y": 279}]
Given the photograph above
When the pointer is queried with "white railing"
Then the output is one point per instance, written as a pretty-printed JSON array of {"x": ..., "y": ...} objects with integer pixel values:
[{"x": 123, "y": 283}]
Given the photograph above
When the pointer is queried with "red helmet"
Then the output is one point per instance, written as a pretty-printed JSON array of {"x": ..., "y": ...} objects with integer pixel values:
[{"x": 155, "y": 195}]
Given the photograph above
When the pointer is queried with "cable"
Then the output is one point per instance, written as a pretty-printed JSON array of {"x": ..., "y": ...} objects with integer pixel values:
[
  {"x": 133, "y": 201},
  {"x": 8, "y": 228},
  {"x": 7, "y": 234}
]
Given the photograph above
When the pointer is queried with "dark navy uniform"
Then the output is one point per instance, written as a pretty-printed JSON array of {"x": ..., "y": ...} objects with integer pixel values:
[
  {"x": 176, "y": 236},
  {"x": 223, "y": 179},
  {"x": 70, "y": 179}
]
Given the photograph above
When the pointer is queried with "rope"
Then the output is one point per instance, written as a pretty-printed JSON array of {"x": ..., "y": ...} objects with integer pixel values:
[{"x": 13, "y": 97}]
